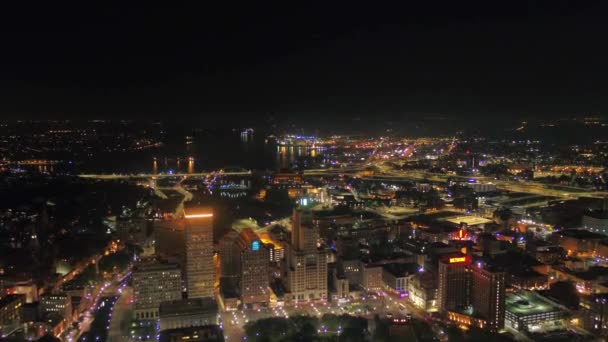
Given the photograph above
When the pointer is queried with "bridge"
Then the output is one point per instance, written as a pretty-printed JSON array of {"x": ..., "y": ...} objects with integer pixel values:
[{"x": 164, "y": 175}]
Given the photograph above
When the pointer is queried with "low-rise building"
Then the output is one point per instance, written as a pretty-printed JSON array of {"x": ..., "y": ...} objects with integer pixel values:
[
  {"x": 396, "y": 276},
  {"x": 422, "y": 289},
  {"x": 188, "y": 313},
  {"x": 372, "y": 277},
  {"x": 593, "y": 313},
  {"x": 206, "y": 333},
  {"x": 527, "y": 310},
  {"x": 58, "y": 304},
  {"x": 10, "y": 311}
]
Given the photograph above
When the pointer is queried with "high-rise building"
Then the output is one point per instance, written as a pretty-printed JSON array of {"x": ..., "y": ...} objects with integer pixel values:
[
  {"x": 229, "y": 255},
  {"x": 170, "y": 241},
  {"x": 307, "y": 262},
  {"x": 453, "y": 283},
  {"x": 471, "y": 293},
  {"x": 488, "y": 294},
  {"x": 199, "y": 252},
  {"x": 254, "y": 265},
  {"x": 154, "y": 283}
]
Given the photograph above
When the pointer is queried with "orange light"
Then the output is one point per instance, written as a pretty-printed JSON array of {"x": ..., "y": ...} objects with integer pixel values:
[
  {"x": 198, "y": 216},
  {"x": 459, "y": 259},
  {"x": 461, "y": 234}
]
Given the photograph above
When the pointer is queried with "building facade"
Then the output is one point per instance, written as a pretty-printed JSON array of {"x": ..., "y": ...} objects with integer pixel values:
[
  {"x": 153, "y": 284},
  {"x": 453, "y": 283},
  {"x": 10, "y": 311},
  {"x": 199, "y": 252},
  {"x": 186, "y": 313},
  {"x": 372, "y": 277},
  {"x": 58, "y": 304},
  {"x": 307, "y": 262},
  {"x": 488, "y": 295},
  {"x": 254, "y": 261}
]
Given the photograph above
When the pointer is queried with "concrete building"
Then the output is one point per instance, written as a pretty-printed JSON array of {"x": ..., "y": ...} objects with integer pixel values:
[
  {"x": 453, "y": 283},
  {"x": 396, "y": 276},
  {"x": 596, "y": 221},
  {"x": 154, "y": 283},
  {"x": 353, "y": 271},
  {"x": 254, "y": 266},
  {"x": 186, "y": 313},
  {"x": 482, "y": 187},
  {"x": 307, "y": 262},
  {"x": 58, "y": 304},
  {"x": 199, "y": 252},
  {"x": 578, "y": 242},
  {"x": 170, "y": 241},
  {"x": 372, "y": 278},
  {"x": 593, "y": 312},
  {"x": 229, "y": 255},
  {"x": 10, "y": 312},
  {"x": 527, "y": 310},
  {"x": 422, "y": 291},
  {"x": 488, "y": 294},
  {"x": 206, "y": 333}
]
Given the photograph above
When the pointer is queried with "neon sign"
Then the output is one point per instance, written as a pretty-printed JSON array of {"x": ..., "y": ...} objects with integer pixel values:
[
  {"x": 255, "y": 245},
  {"x": 458, "y": 260}
]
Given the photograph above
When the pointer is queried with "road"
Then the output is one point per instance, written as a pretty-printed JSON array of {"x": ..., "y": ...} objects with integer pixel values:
[
  {"x": 164, "y": 175},
  {"x": 387, "y": 173},
  {"x": 121, "y": 315}
]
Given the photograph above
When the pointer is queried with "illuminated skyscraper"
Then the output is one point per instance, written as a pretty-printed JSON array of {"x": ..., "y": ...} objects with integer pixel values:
[
  {"x": 199, "y": 252},
  {"x": 229, "y": 257},
  {"x": 254, "y": 265},
  {"x": 488, "y": 294},
  {"x": 307, "y": 262},
  {"x": 453, "y": 283}
]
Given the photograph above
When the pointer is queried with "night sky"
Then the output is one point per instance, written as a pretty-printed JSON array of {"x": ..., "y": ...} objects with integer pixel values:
[{"x": 458, "y": 59}]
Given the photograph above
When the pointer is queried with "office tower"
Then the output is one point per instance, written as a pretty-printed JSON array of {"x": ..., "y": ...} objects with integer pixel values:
[
  {"x": 453, "y": 283},
  {"x": 307, "y": 263},
  {"x": 153, "y": 283},
  {"x": 488, "y": 294},
  {"x": 199, "y": 252},
  {"x": 170, "y": 241},
  {"x": 229, "y": 255},
  {"x": 254, "y": 265}
]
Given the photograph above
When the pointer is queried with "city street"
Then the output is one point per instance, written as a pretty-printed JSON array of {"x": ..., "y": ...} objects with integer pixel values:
[{"x": 121, "y": 316}]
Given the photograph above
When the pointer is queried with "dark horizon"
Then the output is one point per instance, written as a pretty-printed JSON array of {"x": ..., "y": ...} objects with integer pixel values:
[{"x": 249, "y": 63}]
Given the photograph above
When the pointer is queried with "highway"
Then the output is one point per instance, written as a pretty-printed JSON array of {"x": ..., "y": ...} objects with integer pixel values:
[
  {"x": 385, "y": 173},
  {"x": 163, "y": 175}
]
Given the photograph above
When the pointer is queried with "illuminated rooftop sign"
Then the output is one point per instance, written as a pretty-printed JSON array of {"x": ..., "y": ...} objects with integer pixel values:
[
  {"x": 458, "y": 260},
  {"x": 255, "y": 245}
]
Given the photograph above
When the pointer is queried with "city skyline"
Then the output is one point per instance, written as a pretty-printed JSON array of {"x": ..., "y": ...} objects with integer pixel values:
[{"x": 374, "y": 172}]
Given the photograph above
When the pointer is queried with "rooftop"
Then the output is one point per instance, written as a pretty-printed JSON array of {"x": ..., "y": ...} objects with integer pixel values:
[
  {"x": 10, "y": 298},
  {"x": 201, "y": 333},
  {"x": 401, "y": 270},
  {"x": 187, "y": 307},
  {"x": 526, "y": 303}
]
